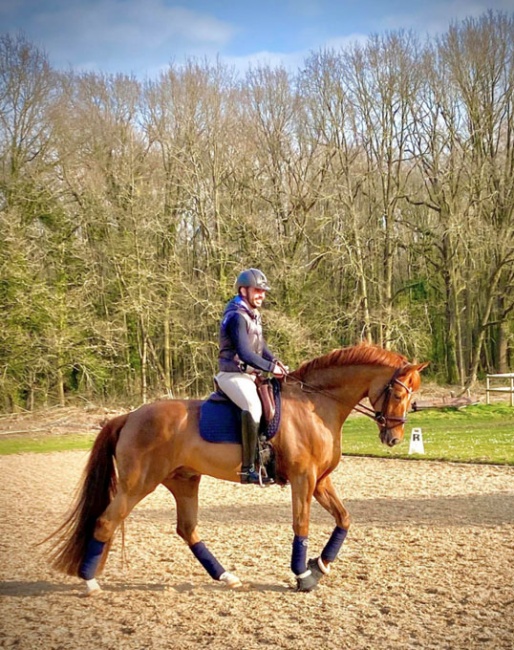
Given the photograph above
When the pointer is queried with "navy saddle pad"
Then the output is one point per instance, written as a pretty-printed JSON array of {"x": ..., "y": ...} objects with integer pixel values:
[{"x": 220, "y": 419}]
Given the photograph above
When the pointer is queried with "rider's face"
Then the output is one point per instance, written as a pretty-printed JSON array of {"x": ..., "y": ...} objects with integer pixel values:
[{"x": 254, "y": 296}]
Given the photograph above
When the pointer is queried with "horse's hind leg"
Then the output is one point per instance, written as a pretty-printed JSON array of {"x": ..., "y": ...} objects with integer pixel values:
[
  {"x": 98, "y": 547},
  {"x": 185, "y": 491}
]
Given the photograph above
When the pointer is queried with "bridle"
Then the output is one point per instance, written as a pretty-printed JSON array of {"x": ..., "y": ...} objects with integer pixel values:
[{"x": 380, "y": 417}]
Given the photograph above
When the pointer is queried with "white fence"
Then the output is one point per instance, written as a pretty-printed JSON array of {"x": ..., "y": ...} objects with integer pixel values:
[{"x": 500, "y": 389}]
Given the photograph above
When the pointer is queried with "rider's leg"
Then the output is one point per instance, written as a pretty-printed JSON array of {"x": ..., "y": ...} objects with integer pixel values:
[
  {"x": 249, "y": 433},
  {"x": 241, "y": 389}
]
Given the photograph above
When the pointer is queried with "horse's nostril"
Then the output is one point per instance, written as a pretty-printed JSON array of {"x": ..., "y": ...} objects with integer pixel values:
[{"x": 388, "y": 438}]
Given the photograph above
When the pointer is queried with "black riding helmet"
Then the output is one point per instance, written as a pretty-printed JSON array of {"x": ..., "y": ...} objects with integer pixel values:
[{"x": 252, "y": 278}]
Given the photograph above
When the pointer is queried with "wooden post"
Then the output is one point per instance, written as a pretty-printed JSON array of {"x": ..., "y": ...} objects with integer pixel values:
[{"x": 500, "y": 389}]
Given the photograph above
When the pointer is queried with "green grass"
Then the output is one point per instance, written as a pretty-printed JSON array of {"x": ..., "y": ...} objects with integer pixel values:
[
  {"x": 45, "y": 443},
  {"x": 478, "y": 434}
]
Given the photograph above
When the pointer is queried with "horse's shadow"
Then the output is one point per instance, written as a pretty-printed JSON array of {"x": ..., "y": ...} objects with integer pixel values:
[
  {"x": 458, "y": 510},
  {"x": 37, "y": 588},
  {"x": 186, "y": 587},
  {"x": 19, "y": 588},
  {"x": 455, "y": 510}
]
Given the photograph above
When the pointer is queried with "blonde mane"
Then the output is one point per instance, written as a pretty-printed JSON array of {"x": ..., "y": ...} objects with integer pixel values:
[{"x": 360, "y": 354}]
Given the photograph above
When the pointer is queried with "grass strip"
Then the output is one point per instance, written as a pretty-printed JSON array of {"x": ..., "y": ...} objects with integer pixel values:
[{"x": 476, "y": 434}]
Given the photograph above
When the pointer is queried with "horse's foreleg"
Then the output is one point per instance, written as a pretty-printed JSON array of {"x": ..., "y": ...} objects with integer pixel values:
[
  {"x": 302, "y": 488},
  {"x": 326, "y": 495},
  {"x": 185, "y": 492}
]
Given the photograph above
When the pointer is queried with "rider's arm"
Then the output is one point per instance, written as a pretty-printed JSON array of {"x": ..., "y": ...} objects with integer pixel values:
[{"x": 267, "y": 354}]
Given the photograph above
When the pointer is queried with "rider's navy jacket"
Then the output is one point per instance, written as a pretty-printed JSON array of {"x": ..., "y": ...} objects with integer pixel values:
[{"x": 242, "y": 345}]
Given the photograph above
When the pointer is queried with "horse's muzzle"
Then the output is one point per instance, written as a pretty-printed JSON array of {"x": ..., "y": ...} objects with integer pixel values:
[{"x": 389, "y": 437}]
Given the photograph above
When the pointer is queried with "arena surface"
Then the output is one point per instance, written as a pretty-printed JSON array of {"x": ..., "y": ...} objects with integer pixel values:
[{"x": 428, "y": 563}]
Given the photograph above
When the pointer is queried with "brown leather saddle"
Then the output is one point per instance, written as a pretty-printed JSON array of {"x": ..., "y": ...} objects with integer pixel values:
[{"x": 267, "y": 397}]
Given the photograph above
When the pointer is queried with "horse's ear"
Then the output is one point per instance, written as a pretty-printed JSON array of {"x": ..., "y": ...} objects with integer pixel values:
[{"x": 420, "y": 366}]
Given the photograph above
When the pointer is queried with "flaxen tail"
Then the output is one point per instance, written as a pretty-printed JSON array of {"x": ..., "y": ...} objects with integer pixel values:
[{"x": 97, "y": 490}]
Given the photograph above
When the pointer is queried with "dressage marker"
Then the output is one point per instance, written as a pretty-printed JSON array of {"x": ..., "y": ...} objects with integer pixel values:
[{"x": 416, "y": 442}]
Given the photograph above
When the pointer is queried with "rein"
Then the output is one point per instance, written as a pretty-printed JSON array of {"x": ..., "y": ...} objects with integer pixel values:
[{"x": 380, "y": 417}]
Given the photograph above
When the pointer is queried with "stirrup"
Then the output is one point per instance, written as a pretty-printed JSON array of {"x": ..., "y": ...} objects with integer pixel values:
[
  {"x": 249, "y": 476},
  {"x": 264, "y": 479}
]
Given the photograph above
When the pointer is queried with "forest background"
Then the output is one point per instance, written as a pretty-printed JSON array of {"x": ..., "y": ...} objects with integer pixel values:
[{"x": 374, "y": 187}]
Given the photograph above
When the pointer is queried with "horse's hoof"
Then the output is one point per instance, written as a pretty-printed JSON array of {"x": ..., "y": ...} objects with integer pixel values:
[
  {"x": 92, "y": 588},
  {"x": 306, "y": 582},
  {"x": 317, "y": 568},
  {"x": 230, "y": 580}
]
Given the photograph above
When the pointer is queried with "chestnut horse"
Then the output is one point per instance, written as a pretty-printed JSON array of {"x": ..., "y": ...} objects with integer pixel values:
[{"x": 159, "y": 443}]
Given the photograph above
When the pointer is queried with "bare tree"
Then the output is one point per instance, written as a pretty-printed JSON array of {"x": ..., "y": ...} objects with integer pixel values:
[{"x": 480, "y": 57}]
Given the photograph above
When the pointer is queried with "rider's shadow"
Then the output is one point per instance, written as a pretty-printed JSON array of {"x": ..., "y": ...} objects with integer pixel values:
[{"x": 442, "y": 510}]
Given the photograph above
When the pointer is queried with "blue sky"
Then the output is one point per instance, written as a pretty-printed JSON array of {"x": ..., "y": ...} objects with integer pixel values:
[{"x": 144, "y": 36}]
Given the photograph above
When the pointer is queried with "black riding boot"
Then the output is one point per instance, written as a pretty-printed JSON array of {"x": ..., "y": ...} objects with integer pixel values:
[{"x": 249, "y": 433}]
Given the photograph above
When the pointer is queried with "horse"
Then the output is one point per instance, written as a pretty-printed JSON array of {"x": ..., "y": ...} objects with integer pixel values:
[{"x": 159, "y": 443}]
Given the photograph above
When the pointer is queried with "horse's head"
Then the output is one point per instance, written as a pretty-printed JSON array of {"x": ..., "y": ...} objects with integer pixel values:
[{"x": 391, "y": 401}]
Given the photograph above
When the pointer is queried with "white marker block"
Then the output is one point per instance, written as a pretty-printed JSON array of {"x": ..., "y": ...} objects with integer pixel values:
[{"x": 416, "y": 442}]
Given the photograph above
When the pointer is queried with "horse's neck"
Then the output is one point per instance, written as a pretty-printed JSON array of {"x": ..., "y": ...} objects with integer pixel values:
[
  {"x": 332, "y": 393},
  {"x": 341, "y": 388},
  {"x": 346, "y": 384}
]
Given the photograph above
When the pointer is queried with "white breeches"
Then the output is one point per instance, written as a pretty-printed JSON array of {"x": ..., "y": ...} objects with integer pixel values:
[{"x": 241, "y": 389}]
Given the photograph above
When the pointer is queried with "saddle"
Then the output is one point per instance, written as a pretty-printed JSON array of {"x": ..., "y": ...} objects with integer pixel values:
[
  {"x": 267, "y": 397},
  {"x": 220, "y": 418},
  {"x": 220, "y": 422},
  {"x": 266, "y": 389}
]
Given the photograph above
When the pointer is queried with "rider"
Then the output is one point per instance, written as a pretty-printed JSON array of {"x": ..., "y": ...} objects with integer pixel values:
[{"x": 243, "y": 353}]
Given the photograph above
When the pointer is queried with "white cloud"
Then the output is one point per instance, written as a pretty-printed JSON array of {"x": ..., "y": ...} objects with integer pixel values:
[
  {"x": 144, "y": 36},
  {"x": 435, "y": 17},
  {"x": 291, "y": 61},
  {"x": 109, "y": 34},
  {"x": 342, "y": 42}
]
